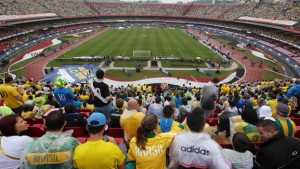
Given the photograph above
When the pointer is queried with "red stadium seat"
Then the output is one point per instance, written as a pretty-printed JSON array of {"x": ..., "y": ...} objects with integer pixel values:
[
  {"x": 226, "y": 145},
  {"x": 297, "y": 133},
  {"x": 296, "y": 121},
  {"x": 77, "y": 131},
  {"x": 116, "y": 132},
  {"x": 30, "y": 121},
  {"x": 213, "y": 121},
  {"x": 81, "y": 139},
  {"x": 35, "y": 130}
]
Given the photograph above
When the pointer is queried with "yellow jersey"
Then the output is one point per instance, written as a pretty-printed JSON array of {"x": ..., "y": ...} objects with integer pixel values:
[
  {"x": 9, "y": 95},
  {"x": 98, "y": 154},
  {"x": 130, "y": 121},
  {"x": 154, "y": 157}
]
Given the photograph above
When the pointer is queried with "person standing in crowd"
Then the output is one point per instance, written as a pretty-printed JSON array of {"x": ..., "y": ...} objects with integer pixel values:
[
  {"x": 97, "y": 153},
  {"x": 210, "y": 94},
  {"x": 11, "y": 96},
  {"x": 277, "y": 151},
  {"x": 12, "y": 141},
  {"x": 54, "y": 149},
  {"x": 286, "y": 126},
  {"x": 195, "y": 148},
  {"x": 63, "y": 95},
  {"x": 102, "y": 96}
]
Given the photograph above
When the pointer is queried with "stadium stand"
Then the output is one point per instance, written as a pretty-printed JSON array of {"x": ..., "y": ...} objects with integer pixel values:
[{"x": 223, "y": 17}]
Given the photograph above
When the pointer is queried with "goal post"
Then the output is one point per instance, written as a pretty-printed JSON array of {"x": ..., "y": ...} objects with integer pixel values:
[{"x": 141, "y": 53}]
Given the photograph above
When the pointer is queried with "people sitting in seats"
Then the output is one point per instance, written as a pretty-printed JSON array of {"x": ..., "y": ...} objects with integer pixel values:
[
  {"x": 131, "y": 119},
  {"x": 116, "y": 114},
  {"x": 167, "y": 122},
  {"x": 12, "y": 141},
  {"x": 240, "y": 157},
  {"x": 277, "y": 151},
  {"x": 98, "y": 153},
  {"x": 53, "y": 150},
  {"x": 195, "y": 148},
  {"x": 286, "y": 126},
  {"x": 148, "y": 149}
]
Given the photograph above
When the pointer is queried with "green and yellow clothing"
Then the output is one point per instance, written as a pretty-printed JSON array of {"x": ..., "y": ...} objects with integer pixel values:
[
  {"x": 49, "y": 151},
  {"x": 286, "y": 126},
  {"x": 155, "y": 154},
  {"x": 248, "y": 129},
  {"x": 9, "y": 95}
]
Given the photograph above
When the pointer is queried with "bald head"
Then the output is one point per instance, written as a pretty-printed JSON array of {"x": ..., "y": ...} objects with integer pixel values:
[{"x": 133, "y": 104}]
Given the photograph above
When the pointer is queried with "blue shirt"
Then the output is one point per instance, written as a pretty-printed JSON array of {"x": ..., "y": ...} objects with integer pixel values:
[{"x": 64, "y": 96}]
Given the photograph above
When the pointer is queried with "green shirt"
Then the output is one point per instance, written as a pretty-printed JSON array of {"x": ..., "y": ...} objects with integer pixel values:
[{"x": 49, "y": 152}]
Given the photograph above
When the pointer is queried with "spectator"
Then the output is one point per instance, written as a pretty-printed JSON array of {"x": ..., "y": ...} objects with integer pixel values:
[
  {"x": 209, "y": 97},
  {"x": 52, "y": 102},
  {"x": 64, "y": 96},
  {"x": 73, "y": 118},
  {"x": 247, "y": 126},
  {"x": 265, "y": 112},
  {"x": 195, "y": 148},
  {"x": 54, "y": 149},
  {"x": 167, "y": 123},
  {"x": 156, "y": 108},
  {"x": 12, "y": 141},
  {"x": 11, "y": 97},
  {"x": 286, "y": 126},
  {"x": 240, "y": 157},
  {"x": 27, "y": 112},
  {"x": 148, "y": 149},
  {"x": 131, "y": 119},
  {"x": 277, "y": 150},
  {"x": 102, "y": 97},
  {"x": 222, "y": 130},
  {"x": 5, "y": 111},
  {"x": 30, "y": 101},
  {"x": 231, "y": 110},
  {"x": 116, "y": 114},
  {"x": 184, "y": 109},
  {"x": 97, "y": 153}
]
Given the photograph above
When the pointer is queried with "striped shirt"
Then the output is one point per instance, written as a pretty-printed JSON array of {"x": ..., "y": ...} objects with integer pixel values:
[{"x": 286, "y": 126}]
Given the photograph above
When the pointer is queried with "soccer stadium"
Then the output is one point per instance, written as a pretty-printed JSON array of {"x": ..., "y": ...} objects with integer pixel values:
[{"x": 96, "y": 84}]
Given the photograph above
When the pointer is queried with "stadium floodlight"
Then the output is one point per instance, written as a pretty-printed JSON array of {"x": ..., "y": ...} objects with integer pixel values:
[{"x": 141, "y": 53}]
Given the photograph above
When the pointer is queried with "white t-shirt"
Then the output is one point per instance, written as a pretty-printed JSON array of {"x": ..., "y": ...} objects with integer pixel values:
[
  {"x": 13, "y": 146},
  {"x": 8, "y": 163},
  {"x": 192, "y": 149},
  {"x": 239, "y": 160}
]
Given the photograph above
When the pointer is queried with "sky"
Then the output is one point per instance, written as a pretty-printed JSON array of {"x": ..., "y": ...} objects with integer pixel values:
[{"x": 167, "y": 1}]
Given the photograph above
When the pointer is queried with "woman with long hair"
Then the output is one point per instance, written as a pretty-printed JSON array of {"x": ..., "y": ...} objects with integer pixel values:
[
  {"x": 148, "y": 149},
  {"x": 12, "y": 141}
]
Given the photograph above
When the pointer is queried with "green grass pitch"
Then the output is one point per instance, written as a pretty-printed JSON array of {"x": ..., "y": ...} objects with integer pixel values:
[{"x": 161, "y": 42}]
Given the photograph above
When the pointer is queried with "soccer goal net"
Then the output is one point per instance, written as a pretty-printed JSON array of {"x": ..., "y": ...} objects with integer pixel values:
[{"x": 141, "y": 53}]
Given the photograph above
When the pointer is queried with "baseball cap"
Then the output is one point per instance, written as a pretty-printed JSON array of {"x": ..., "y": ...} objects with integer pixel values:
[
  {"x": 283, "y": 109},
  {"x": 96, "y": 119},
  {"x": 99, "y": 74}
]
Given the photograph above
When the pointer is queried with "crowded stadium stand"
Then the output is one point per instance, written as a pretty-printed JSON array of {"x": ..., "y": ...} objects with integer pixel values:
[{"x": 225, "y": 112}]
